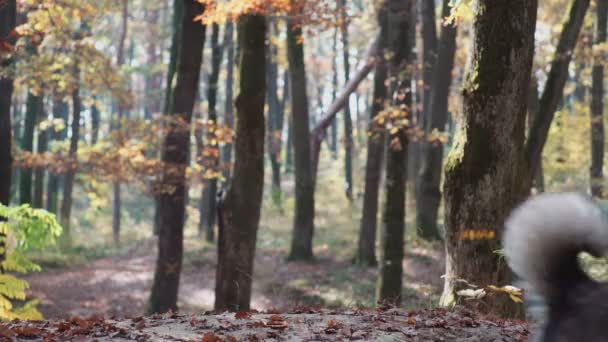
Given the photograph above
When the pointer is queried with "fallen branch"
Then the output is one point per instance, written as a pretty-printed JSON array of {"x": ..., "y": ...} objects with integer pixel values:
[{"x": 318, "y": 133}]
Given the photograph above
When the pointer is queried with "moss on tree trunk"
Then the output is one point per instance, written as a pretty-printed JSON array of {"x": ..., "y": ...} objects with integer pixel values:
[{"x": 485, "y": 169}]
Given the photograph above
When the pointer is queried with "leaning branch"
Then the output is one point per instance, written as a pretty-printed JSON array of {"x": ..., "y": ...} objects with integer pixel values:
[{"x": 318, "y": 133}]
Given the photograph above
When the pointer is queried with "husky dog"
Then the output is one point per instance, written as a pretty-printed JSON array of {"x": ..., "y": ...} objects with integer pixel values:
[{"x": 542, "y": 240}]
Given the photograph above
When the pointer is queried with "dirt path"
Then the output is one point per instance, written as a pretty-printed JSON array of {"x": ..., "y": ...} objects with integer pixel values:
[{"x": 119, "y": 286}]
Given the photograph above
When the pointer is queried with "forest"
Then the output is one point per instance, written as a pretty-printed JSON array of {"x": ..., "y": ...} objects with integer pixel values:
[{"x": 214, "y": 166}]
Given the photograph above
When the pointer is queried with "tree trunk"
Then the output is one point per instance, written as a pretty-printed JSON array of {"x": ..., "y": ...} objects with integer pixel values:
[
  {"x": 366, "y": 254},
  {"x": 348, "y": 121},
  {"x": 60, "y": 111},
  {"x": 209, "y": 192},
  {"x": 152, "y": 77},
  {"x": 429, "y": 49},
  {"x": 396, "y": 19},
  {"x": 68, "y": 186},
  {"x": 485, "y": 169},
  {"x": 533, "y": 104},
  {"x": 41, "y": 147},
  {"x": 34, "y": 102},
  {"x": 303, "y": 224},
  {"x": 178, "y": 13},
  {"x": 597, "y": 105},
  {"x": 8, "y": 14},
  {"x": 554, "y": 87},
  {"x": 176, "y": 146},
  {"x": 275, "y": 127},
  {"x": 229, "y": 105},
  {"x": 120, "y": 60},
  {"x": 240, "y": 212},
  {"x": 95, "y": 122},
  {"x": 334, "y": 92},
  {"x": 428, "y": 188}
]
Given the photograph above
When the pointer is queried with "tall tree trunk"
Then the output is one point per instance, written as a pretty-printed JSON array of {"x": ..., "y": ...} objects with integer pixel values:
[
  {"x": 240, "y": 212},
  {"x": 396, "y": 18},
  {"x": 334, "y": 92},
  {"x": 95, "y": 122},
  {"x": 428, "y": 193},
  {"x": 289, "y": 145},
  {"x": 303, "y": 224},
  {"x": 275, "y": 129},
  {"x": 176, "y": 147},
  {"x": 366, "y": 254},
  {"x": 348, "y": 121},
  {"x": 429, "y": 49},
  {"x": 554, "y": 87},
  {"x": 228, "y": 105},
  {"x": 41, "y": 147},
  {"x": 533, "y": 104},
  {"x": 60, "y": 111},
  {"x": 209, "y": 191},
  {"x": 152, "y": 81},
  {"x": 485, "y": 169},
  {"x": 178, "y": 13},
  {"x": 120, "y": 60},
  {"x": 68, "y": 186},
  {"x": 8, "y": 14},
  {"x": 34, "y": 102},
  {"x": 597, "y": 105}
]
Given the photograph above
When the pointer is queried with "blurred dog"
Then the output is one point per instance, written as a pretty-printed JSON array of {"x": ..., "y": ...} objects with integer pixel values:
[{"x": 542, "y": 240}]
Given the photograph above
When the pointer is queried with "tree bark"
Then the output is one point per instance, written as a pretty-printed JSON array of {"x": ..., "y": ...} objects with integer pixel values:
[
  {"x": 597, "y": 105},
  {"x": 60, "y": 111},
  {"x": 428, "y": 188},
  {"x": 334, "y": 92},
  {"x": 176, "y": 147},
  {"x": 33, "y": 104},
  {"x": 366, "y": 254},
  {"x": 553, "y": 91},
  {"x": 429, "y": 49},
  {"x": 485, "y": 169},
  {"x": 68, "y": 186},
  {"x": 303, "y": 224},
  {"x": 275, "y": 114},
  {"x": 8, "y": 14},
  {"x": 396, "y": 16},
  {"x": 41, "y": 147},
  {"x": 533, "y": 104},
  {"x": 209, "y": 191},
  {"x": 229, "y": 105},
  {"x": 240, "y": 213},
  {"x": 348, "y": 121}
]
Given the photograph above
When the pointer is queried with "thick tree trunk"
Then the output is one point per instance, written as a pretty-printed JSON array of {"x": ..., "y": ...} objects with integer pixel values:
[
  {"x": 68, "y": 186},
  {"x": 396, "y": 18},
  {"x": 60, "y": 111},
  {"x": 189, "y": 45},
  {"x": 366, "y": 254},
  {"x": 485, "y": 169},
  {"x": 209, "y": 191},
  {"x": 348, "y": 121},
  {"x": 8, "y": 14},
  {"x": 597, "y": 105},
  {"x": 228, "y": 105},
  {"x": 428, "y": 188},
  {"x": 554, "y": 87},
  {"x": 39, "y": 172},
  {"x": 303, "y": 224},
  {"x": 240, "y": 212},
  {"x": 34, "y": 102}
]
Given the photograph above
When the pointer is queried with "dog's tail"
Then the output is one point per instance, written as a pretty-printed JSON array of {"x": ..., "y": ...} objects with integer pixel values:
[{"x": 544, "y": 236}]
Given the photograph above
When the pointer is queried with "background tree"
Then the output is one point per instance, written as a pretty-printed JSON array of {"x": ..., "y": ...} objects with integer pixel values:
[
  {"x": 8, "y": 14},
  {"x": 238, "y": 224},
  {"x": 428, "y": 188},
  {"x": 397, "y": 15},
  {"x": 483, "y": 179},
  {"x": 348, "y": 121},
  {"x": 597, "y": 103},
  {"x": 188, "y": 47}
]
